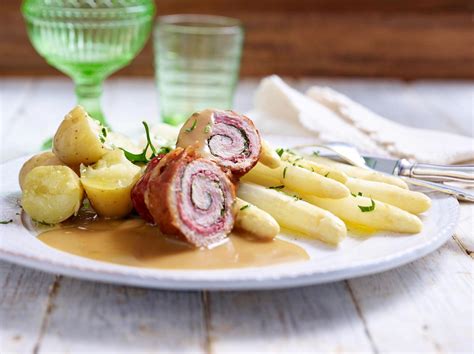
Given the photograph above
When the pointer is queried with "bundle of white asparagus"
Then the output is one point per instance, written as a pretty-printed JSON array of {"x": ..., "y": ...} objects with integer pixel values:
[{"x": 318, "y": 197}]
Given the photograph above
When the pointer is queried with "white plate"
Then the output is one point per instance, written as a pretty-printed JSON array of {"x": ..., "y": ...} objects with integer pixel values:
[{"x": 354, "y": 257}]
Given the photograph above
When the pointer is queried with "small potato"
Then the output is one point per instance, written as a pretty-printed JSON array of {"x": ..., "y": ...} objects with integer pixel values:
[
  {"x": 109, "y": 183},
  {"x": 46, "y": 158},
  {"x": 78, "y": 139},
  {"x": 52, "y": 194}
]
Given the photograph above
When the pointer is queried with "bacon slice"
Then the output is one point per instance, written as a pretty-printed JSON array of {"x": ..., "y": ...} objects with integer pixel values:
[
  {"x": 226, "y": 137},
  {"x": 190, "y": 197},
  {"x": 138, "y": 191}
]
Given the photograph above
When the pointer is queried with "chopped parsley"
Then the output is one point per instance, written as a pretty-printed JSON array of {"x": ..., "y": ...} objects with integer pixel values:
[
  {"x": 296, "y": 197},
  {"x": 366, "y": 209},
  {"x": 189, "y": 130},
  {"x": 359, "y": 194},
  {"x": 4, "y": 222},
  {"x": 284, "y": 171},
  {"x": 316, "y": 153},
  {"x": 245, "y": 207},
  {"x": 207, "y": 128},
  {"x": 327, "y": 174},
  {"x": 277, "y": 187},
  {"x": 280, "y": 151},
  {"x": 103, "y": 134}
]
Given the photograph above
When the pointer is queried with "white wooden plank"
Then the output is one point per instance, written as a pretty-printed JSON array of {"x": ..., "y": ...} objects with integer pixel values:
[
  {"x": 465, "y": 230},
  {"x": 13, "y": 93},
  {"x": 453, "y": 99},
  {"x": 312, "y": 319},
  {"x": 23, "y": 303},
  {"x": 41, "y": 113},
  {"x": 97, "y": 318},
  {"x": 425, "y": 306}
]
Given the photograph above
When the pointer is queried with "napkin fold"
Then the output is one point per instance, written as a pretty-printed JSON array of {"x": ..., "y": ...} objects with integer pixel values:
[{"x": 327, "y": 115}]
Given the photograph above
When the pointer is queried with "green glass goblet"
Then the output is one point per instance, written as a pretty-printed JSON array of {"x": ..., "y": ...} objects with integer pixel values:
[{"x": 88, "y": 39}]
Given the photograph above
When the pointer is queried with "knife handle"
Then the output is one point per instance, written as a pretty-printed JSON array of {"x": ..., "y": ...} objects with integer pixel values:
[
  {"x": 459, "y": 193},
  {"x": 436, "y": 173}
]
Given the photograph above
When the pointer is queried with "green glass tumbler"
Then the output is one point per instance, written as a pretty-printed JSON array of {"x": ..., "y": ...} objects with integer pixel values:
[
  {"x": 88, "y": 39},
  {"x": 197, "y": 60}
]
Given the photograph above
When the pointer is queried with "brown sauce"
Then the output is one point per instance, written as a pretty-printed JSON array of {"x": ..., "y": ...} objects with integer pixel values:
[
  {"x": 132, "y": 242},
  {"x": 196, "y": 131}
]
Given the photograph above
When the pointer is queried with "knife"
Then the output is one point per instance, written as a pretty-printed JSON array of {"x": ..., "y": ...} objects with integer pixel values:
[{"x": 427, "y": 172}]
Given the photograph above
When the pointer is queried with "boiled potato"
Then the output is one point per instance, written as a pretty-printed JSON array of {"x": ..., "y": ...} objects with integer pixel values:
[
  {"x": 52, "y": 194},
  {"x": 109, "y": 183},
  {"x": 46, "y": 158},
  {"x": 79, "y": 139}
]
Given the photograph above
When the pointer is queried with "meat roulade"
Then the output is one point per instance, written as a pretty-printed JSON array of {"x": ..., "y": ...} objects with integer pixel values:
[
  {"x": 226, "y": 137},
  {"x": 191, "y": 197}
]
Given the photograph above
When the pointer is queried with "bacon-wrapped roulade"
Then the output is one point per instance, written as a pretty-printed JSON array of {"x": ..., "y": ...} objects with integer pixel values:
[
  {"x": 138, "y": 191},
  {"x": 226, "y": 137},
  {"x": 191, "y": 197}
]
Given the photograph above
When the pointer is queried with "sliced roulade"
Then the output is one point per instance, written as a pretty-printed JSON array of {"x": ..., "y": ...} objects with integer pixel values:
[
  {"x": 191, "y": 197},
  {"x": 228, "y": 138}
]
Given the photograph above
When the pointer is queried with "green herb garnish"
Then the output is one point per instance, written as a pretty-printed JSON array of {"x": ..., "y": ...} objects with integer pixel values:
[
  {"x": 284, "y": 171},
  {"x": 327, "y": 174},
  {"x": 103, "y": 134},
  {"x": 277, "y": 187},
  {"x": 141, "y": 158},
  {"x": 280, "y": 151},
  {"x": 189, "y": 130},
  {"x": 366, "y": 209},
  {"x": 207, "y": 128},
  {"x": 245, "y": 207},
  {"x": 4, "y": 222},
  {"x": 296, "y": 197},
  {"x": 316, "y": 153}
]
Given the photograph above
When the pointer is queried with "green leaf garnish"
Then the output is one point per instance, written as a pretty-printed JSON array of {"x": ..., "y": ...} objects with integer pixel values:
[
  {"x": 47, "y": 144},
  {"x": 142, "y": 158},
  {"x": 189, "y": 130},
  {"x": 366, "y": 209},
  {"x": 207, "y": 128},
  {"x": 245, "y": 207},
  {"x": 316, "y": 153},
  {"x": 280, "y": 151},
  {"x": 4, "y": 222},
  {"x": 284, "y": 171}
]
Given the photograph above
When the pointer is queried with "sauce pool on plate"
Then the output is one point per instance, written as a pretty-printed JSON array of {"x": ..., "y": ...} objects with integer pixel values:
[{"x": 135, "y": 243}]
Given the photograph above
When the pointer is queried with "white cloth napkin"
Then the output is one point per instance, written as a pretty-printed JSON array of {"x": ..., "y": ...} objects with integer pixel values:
[{"x": 327, "y": 115}]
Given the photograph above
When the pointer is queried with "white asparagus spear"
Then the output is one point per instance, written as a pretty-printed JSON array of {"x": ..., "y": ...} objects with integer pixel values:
[
  {"x": 382, "y": 217},
  {"x": 413, "y": 202},
  {"x": 294, "y": 214},
  {"x": 254, "y": 220},
  {"x": 298, "y": 179},
  {"x": 268, "y": 156},
  {"x": 323, "y": 170},
  {"x": 361, "y": 173}
]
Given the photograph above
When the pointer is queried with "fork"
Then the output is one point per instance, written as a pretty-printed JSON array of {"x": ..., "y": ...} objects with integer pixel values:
[{"x": 352, "y": 156}]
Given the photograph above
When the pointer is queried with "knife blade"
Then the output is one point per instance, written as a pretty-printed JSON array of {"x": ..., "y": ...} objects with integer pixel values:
[
  {"x": 382, "y": 164},
  {"x": 427, "y": 172}
]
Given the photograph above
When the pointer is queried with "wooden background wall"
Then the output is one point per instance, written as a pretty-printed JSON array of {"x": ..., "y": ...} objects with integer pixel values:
[{"x": 384, "y": 38}]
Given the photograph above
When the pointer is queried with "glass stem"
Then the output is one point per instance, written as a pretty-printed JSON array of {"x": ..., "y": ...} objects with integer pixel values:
[{"x": 88, "y": 93}]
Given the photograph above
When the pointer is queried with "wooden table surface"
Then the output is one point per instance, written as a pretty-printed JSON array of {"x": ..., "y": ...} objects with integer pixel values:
[{"x": 425, "y": 306}]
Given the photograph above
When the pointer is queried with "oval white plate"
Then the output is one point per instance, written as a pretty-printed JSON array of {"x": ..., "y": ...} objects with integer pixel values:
[{"x": 354, "y": 257}]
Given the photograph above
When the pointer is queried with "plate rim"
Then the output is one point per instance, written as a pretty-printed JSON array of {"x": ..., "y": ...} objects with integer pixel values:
[{"x": 308, "y": 277}]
